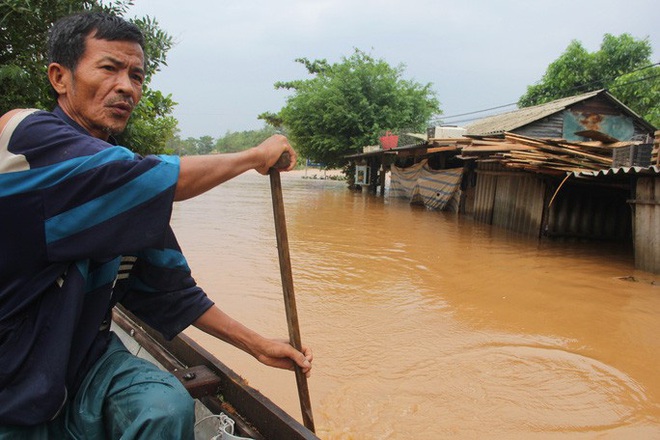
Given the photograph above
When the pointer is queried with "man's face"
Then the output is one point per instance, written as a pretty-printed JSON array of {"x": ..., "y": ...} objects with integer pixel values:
[{"x": 105, "y": 87}]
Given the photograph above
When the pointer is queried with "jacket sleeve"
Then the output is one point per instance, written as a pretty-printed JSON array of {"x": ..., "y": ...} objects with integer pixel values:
[
  {"x": 161, "y": 290},
  {"x": 113, "y": 202}
]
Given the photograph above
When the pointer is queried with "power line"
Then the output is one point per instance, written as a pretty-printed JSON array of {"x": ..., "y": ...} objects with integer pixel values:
[
  {"x": 616, "y": 86},
  {"x": 574, "y": 89},
  {"x": 601, "y": 82},
  {"x": 480, "y": 111}
]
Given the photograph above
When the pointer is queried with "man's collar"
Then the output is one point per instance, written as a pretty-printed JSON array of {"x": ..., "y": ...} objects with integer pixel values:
[
  {"x": 57, "y": 111},
  {"x": 62, "y": 115}
]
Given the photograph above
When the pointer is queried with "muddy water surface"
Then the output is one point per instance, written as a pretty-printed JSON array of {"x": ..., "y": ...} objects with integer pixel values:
[{"x": 426, "y": 325}]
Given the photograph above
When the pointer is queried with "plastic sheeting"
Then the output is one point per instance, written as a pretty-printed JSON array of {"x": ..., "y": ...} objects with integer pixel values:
[{"x": 435, "y": 189}]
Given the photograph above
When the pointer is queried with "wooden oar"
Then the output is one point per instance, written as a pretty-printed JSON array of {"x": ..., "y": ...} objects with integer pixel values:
[{"x": 287, "y": 285}]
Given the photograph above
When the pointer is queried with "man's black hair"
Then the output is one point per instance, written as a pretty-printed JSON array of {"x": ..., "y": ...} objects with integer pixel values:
[{"x": 66, "y": 39}]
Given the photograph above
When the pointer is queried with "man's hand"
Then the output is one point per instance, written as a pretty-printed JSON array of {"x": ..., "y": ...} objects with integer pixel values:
[
  {"x": 280, "y": 354},
  {"x": 271, "y": 150},
  {"x": 272, "y": 352}
]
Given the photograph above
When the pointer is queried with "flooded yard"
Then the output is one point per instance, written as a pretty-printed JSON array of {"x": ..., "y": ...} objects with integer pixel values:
[{"x": 428, "y": 325}]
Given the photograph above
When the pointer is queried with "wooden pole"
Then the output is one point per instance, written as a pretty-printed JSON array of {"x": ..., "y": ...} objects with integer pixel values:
[{"x": 289, "y": 297}]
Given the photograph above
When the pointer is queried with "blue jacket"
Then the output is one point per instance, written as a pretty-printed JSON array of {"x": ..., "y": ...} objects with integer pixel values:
[{"x": 85, "y": 224}]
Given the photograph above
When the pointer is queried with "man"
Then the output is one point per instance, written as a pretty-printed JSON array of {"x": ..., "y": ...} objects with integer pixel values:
[{"x": 85, "y": 225}]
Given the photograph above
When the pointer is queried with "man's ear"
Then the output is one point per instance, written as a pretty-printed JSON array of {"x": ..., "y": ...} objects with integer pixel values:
[{"x": 59, "y": 77}]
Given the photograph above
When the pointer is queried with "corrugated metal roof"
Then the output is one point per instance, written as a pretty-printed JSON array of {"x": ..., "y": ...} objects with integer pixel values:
[
  {"x": 618, "y": 171},
  {"x": 509, "y": 121}
]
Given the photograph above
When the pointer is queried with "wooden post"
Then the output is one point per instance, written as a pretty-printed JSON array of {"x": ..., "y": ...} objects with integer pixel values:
[
  {"x": 289, "y": 296},
  {"x": 382, "y": 175}
]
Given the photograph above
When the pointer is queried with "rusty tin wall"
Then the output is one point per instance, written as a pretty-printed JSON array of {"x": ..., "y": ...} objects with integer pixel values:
[
  {"x": 512, "y": 200},
  {"x": 519, "y": 201}
]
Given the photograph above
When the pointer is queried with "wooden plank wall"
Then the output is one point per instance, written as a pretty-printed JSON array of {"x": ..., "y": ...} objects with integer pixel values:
[
  {"x": 553, "y": 126},
  {"x": 549, "y": 127},
  {"x": 647, "y": 224}
]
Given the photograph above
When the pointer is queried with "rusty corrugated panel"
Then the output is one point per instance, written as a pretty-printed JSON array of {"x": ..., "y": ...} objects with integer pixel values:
[
  {"x": 512, "y": 200},
  {"x": 647, "y": 224},
  {"x": 519, "y": 203},
  {"x": 530, "y": 205},
  {"x": 484, "y": 194}
]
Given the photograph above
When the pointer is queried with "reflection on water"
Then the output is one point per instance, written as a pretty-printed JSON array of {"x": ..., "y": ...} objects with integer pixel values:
[{"x": 427, "y": 325}]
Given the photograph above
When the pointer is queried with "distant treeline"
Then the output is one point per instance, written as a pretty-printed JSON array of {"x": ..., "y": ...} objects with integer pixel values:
[{"x": 232, "y": 141}]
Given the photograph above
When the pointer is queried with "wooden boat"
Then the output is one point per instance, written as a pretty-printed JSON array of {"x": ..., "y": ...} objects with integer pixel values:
[{"x": 216, "y": 388}]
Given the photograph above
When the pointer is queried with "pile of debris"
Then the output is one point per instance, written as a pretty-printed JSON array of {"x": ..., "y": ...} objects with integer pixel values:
[{"x": 555, "y": 156}]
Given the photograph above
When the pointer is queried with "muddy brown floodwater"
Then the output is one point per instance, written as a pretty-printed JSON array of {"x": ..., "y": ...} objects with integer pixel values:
[{"x": 426, "y": 325}]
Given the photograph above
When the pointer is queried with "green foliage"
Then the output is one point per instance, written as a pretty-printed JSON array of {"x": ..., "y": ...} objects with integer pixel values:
[
  {"x": 347, "y": 105},
  {"x": 640, "y": 90},
  {"x": 231, "y": 142},
  {"x": 151, "y": 124},
  {"x": 23, "y": 82},
  {"x": 156, "y": 45},
  {"x": 242, "y": 140},
  {"x": 578, "y": 71},
  {"x": 620, "y": 55},
  {"x": 565, "y": 76},
  {"x": 190, "y": 146},
  {"x": 181, "y": 147}
]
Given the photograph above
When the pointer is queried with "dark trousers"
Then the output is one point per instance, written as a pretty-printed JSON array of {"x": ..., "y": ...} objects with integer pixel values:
[{"x": 122, "y": 397}]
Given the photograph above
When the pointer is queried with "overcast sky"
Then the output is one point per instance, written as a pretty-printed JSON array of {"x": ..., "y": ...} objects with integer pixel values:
[{"x": 477, "y": 54}]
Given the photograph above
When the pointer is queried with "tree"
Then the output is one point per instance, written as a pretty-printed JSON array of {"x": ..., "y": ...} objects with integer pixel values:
[
  {"x": 231, "y": 142},
  {"x": 640, "y": 90},
  {"x": 151, "y": 124},
  {"x": 346, "y": 105},
  {"x": 237, "y": 141},
  {"x": 181, "y": 147},
  {"x": 23, "y": 57},
  {"x": 205, "y": 144},
  {"x": 622, "y": 64},
  {"x": 569, "y": 75}
]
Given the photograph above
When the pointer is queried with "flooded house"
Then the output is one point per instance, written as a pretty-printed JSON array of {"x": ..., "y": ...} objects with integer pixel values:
[{"x": 584, "y": 167}]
